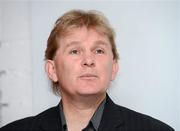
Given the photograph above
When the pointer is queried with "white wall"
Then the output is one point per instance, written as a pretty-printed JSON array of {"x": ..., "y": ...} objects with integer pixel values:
[
  {"x": 147, "y": 42},
  {"x": 178, "y": 36}
]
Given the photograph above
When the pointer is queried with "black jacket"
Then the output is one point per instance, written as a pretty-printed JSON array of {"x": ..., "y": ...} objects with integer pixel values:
[{"x": 115, "y": 118}]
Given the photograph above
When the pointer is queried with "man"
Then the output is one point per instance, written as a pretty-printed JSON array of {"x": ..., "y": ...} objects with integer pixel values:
[{"x": 81, "y": 61}]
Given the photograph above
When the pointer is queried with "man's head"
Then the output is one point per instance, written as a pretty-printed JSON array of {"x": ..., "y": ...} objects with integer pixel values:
[{"x": 94, "y": 34}]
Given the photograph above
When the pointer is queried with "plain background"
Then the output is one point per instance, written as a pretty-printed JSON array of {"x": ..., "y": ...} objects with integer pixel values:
[{"x": 148, "y": 43}]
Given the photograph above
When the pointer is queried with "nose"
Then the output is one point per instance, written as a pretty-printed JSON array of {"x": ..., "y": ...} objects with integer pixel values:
[{"x": 88, "y": 61}]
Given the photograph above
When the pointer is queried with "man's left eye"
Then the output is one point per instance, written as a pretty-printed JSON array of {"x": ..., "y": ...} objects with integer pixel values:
[
  {"x": 74, "y": 51},
  {"x": 99, "y": 51}
]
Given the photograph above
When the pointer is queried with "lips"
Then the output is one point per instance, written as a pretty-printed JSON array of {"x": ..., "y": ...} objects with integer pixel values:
[{"x": 88, "y": 76}]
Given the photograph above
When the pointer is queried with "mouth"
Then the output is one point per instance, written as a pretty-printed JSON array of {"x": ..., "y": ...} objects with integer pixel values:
[{"x": 88, "y": 76}]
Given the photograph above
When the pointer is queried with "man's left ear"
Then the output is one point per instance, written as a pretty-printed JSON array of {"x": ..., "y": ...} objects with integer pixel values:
[{"x": 115, "y": 68}]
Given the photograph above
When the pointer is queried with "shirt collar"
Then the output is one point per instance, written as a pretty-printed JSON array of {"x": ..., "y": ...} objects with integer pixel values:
[
  {"x": 96, "y": 118},
  {"x": 63, "y": 120}
]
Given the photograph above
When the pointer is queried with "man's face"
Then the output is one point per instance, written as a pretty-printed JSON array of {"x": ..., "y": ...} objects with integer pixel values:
[{"x": 83, "y": 64}]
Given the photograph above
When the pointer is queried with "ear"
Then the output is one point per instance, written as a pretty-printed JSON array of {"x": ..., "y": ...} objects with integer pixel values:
[
  {"x": 51, "y": 70},
  {"x": 115, "y": 68}
]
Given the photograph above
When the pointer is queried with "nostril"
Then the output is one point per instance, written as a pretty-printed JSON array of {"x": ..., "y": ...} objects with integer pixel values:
[
  {"x": 88, "y": 60},
  {"x": 89, "y": 63}
]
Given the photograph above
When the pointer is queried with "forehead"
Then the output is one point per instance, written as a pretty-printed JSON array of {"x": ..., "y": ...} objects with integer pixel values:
[{"x": 83, "y": 34}]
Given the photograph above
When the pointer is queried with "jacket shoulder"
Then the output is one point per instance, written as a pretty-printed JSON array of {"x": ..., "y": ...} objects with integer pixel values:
[
  {"x": 139, "y": 120},
  {"x": 19, "y": 125},
  {"x": 29, "y": 123}
]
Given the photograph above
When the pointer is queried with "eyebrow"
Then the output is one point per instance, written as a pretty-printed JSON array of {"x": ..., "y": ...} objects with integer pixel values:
[
  {"x": 71, "y": 44},
  {"x": 98, "y": 42}
]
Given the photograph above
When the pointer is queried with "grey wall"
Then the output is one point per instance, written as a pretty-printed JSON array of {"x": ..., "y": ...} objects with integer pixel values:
[{"x": 15, "y": 61}]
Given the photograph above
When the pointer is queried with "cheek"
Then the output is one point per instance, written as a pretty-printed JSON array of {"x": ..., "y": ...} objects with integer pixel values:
[
  {"x": 109, "y": 69},
  {"x": 60, "y": 68},
  {"x": 65, "y": 69},
  {"x": 106, "y": 69}
]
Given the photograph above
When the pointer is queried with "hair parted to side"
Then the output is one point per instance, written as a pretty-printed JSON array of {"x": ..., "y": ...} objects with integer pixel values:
[{"x": 76, "y": 19}]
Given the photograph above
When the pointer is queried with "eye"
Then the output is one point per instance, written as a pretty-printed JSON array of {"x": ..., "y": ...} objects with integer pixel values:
[
  {"x": 74, "y": 51},
  {"x": 99, "y": 51}
]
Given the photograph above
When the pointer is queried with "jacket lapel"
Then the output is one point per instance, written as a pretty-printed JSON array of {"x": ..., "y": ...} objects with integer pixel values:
[
  {"x": 112, "y": 118},
  {"x": 51, "y": 121}
]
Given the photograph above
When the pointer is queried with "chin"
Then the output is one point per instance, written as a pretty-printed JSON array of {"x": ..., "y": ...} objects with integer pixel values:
[
  {"x": 90, "y": 89},
  {"x": 91, "y": 92}
]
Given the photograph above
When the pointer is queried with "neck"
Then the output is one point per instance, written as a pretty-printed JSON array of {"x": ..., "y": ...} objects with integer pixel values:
[{"x": 79, "y": 110}]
